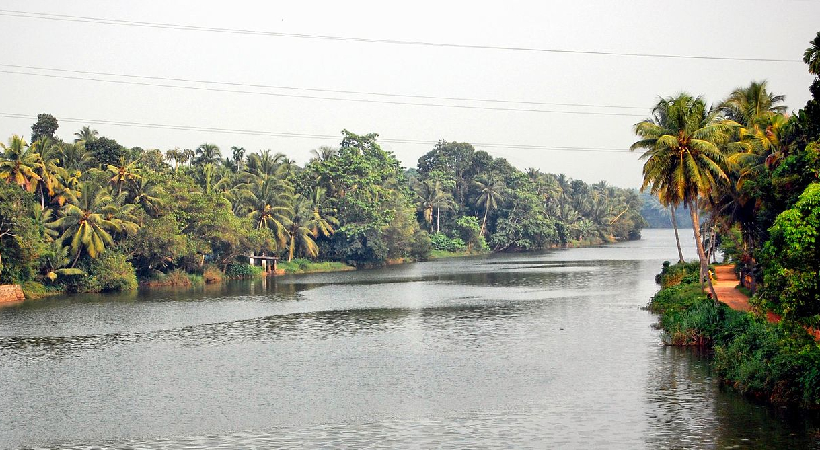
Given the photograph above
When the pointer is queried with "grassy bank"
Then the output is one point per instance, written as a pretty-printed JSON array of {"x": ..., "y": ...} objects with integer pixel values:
[
  {"x": 299, "y": 265},
  {"x": 778, "y": 363}
]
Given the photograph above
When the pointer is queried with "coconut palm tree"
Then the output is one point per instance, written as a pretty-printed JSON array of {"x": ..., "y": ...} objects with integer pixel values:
[
  {"x": 48, "y": 168},
  {"x": 18, "y": 164},
  {"x": 86, "y": 134},
  {"x": 271, "y": 207},
  {"x": 207, "y": 153},
  {"x": 747, "y": 105},
  {"x": 122, "y": 174},
  {"x": 87, "y": 224},
  {"x": 684, "y": 161},
  {"x": 299, "y": 230},
  {"x": 238, "y": 154},
  {"x": 490, "y": 193},
  {"x": 812, "y": 55}
]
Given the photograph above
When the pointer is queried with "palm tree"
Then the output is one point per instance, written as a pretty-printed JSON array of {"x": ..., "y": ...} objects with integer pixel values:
[
  {"x": 490, "y": 192},
  {"x": 747, "y": 105},
  {"x": 86, "y": 134},
  {"x": 19, "y": 164},
  {"x": 48, "y": 168},
  {"x": 812, "y": 55},
  {"x": 324, "y": 153},
  {"x": 271, "y": 208},
  {"x": 207, "y": 153},
  {"x": 684, "y": 161},
  {"x": 238, "y": 154},
  {"x": 177, "y": 156},
  {"x": 123, "y": 174},
  {"x": 299, "y": 230},
  {"x": 87, "y": 224}
]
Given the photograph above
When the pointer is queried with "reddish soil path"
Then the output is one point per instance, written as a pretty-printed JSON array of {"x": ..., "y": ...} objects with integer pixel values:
[
  {"x": 725, "y": 288},
  {"x": 727, "y": 292}
]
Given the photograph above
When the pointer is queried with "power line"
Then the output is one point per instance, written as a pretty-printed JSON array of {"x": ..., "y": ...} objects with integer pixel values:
[
  {"x": 303, "y": 96},
  {"x": 181, "y": 27},
  {"x": 334, "y": 91},
  {"x": 250, "y": 132}
]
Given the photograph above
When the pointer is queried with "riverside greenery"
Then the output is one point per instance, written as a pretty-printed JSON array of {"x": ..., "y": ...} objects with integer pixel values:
[
  {"x": 751, "y": 171},
  {"x": 92, "y": 215},
  {"x": 779, "y": 363}
]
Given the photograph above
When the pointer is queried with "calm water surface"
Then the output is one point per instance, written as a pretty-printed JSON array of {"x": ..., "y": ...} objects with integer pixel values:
[{"x": 540, "y": 350}]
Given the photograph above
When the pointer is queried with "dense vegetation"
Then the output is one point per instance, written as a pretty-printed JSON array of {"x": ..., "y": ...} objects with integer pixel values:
[
  {"x": 776, "y": 362},
  {"x": 93, "y": 215},
  {"x": 755, "y": 173}
]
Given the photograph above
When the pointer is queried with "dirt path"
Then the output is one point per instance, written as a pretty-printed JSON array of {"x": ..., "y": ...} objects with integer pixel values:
[
  {"x": 725, "y": 288},
  {"x": 727, "y": 292}
]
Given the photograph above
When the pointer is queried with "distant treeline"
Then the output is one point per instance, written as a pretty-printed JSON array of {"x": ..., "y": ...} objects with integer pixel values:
[{"x": 90, "y": 214}]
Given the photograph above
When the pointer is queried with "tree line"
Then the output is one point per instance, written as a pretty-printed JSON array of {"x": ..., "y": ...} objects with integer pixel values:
[
  {"x": 752, "y": 170},
  {"x": 91, "y": 214}
]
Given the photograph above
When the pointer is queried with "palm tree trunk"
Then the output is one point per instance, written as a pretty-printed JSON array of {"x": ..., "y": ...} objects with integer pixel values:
[
  {"x": 290, "y": 250},
  {"x": 438, "y": 219},
  {"x": 484, "y": 223},
  {"x": 677, "y": 238},
  {"x": 704, "y": 264}
]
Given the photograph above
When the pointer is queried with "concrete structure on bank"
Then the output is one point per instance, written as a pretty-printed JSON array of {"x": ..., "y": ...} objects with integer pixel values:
[{"x": 11, "y": 293}]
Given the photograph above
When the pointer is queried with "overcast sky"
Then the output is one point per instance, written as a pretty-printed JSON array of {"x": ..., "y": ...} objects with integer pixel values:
[{"x": 86, "y": 71}]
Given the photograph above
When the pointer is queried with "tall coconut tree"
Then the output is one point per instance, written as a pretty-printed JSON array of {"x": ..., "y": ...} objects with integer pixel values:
[
  {"x": 86, "y": 134},
  {"x": 19, "y": 164},
  {"x": 207, "y": 153},
  {"x": 48, "y": 168},
  {"x": 812, "y": 55},
  {"x": 489, "y": 194},
  {"x": 683, "y": 157},
  {"x": 123, "y": 173}
]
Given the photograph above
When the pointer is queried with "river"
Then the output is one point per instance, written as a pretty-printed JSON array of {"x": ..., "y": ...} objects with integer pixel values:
[{"x": 536, "y": 350}]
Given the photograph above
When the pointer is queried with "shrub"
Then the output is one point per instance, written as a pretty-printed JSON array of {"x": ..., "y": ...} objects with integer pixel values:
[
  {"x": 241, "y": 270},
  {"x": 441, "y": 241},
  {"x": 33, "y": 290},
  {"x": 110, "y": 272},
  {"x": 673, "y": 275},
  {"x": 212, "y": 275}
]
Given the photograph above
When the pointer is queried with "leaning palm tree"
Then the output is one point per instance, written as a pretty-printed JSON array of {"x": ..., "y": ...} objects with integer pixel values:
[
  {"x": 684, "y": 161},
  {"x": 299, "y": 230},
  {"x": 18, "y": 164}
]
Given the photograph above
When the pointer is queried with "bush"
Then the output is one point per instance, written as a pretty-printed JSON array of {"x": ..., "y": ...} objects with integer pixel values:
[
  {"x": 212, "y": 275},
  {"x": 673, "y": 275},
  {"x": 110, "y": 272},
  {"x": 33, "y": 290},
  {"x": 441, "y": 241},
  {"x": 240, "y": 270}
]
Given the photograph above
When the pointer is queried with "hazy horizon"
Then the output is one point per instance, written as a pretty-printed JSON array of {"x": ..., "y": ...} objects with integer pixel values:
[{"x": 509, "y": 79}]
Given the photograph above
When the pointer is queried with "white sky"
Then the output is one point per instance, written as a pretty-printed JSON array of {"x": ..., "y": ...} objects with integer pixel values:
[{"x": 748, "y": 29}]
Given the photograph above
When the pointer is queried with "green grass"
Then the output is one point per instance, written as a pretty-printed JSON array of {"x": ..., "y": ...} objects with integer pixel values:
[
  {"x": 436, "y": 254},
  {"x": 299, "y": 265}
]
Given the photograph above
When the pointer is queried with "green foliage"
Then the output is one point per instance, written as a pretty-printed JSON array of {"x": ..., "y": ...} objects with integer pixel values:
[
  {"x": 791, "y": 261},
  {"x": 45, "y": 127},
  {"x": 111, "y": 272},
  {"x": 299, "y": 265},
  {"x": 241, "y": 270},
  {"x": 440, "y": 241},
  {"x": 776, "y": 362},
  {"x": 469, "y": 231},
  {"x": 34, "y": 290},
  {"x": 677, "y": 273}
]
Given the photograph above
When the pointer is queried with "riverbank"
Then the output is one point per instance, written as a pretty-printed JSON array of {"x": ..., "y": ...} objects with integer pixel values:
[{"x": 775, "y": 362}]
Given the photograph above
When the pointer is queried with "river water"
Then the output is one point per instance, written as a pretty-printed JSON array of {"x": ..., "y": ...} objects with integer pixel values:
[{"x": 537, "y": 350}]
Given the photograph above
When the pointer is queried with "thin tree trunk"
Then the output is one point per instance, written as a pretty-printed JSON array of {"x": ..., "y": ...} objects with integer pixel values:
[
  {"x": 677, "y": 238},
  {"x": 704, "y": 264},
  {"x": 484, "y": 223},
  {"x": 290, "y": 250},
  {"x": 438, "y": 219}
]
